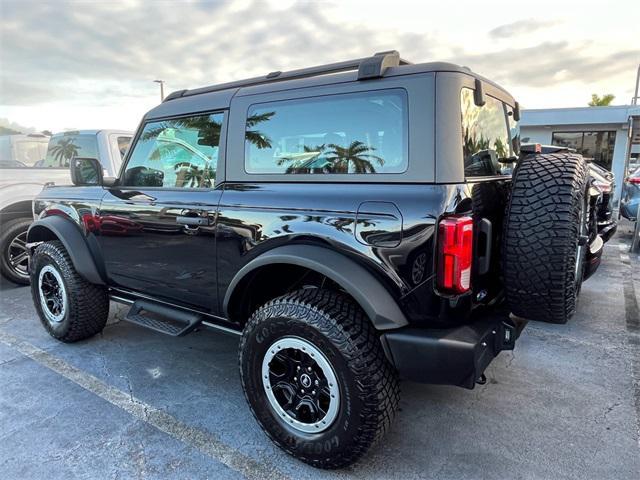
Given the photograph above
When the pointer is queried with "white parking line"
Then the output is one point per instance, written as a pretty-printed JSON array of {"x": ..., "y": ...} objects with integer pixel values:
[{"x": 204, "y": 442}]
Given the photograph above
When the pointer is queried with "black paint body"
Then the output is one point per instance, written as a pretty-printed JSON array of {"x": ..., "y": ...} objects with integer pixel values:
[
  {"x": 383, "y": 227},
  {"x": 222, "y": 251}
]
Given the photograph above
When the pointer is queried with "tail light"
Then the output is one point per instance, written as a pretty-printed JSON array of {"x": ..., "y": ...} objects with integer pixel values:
[
  {"x": 635, "y": 180},
  {"x": 455, "y": 253},
  {"x": 602, "y": 186}
]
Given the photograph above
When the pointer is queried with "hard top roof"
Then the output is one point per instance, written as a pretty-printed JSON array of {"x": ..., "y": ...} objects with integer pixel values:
[{"x": 383, "y": 64}]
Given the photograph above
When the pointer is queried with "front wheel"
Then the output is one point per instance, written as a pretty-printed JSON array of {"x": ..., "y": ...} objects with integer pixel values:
[
  {"x": 14, "y": 257},
  {"x": 316, "y": 378},
  {"x": 69, "y": 307}
]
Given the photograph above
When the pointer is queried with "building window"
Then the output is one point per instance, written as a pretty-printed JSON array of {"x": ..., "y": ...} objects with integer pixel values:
[
  {"x": 361, "y": 133},
  {"x": 597, "y": 146}
]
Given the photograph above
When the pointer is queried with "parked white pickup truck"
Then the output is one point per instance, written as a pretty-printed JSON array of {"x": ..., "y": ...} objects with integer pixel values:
[{"x": 22, "y": 179}]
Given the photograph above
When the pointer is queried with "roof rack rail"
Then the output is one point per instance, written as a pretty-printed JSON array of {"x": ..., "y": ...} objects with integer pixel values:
[{"x": 368, "y": 67}]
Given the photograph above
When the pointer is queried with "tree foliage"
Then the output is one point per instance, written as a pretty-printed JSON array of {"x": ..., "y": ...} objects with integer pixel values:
[{"x": 601, "y": 101}]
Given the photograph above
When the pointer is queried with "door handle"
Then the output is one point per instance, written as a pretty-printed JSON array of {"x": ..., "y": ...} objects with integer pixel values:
[{"x": 192, "y": 221}]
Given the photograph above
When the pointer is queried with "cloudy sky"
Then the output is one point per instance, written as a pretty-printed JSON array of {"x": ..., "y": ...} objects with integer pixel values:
[{"x": 91, "y": 64}]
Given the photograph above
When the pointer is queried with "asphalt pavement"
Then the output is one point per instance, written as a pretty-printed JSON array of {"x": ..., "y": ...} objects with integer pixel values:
[{"x": 132, "y": 403}]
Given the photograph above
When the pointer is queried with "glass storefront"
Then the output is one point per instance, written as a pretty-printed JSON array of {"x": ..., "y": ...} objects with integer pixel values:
[{"x": 597, "y": 145}]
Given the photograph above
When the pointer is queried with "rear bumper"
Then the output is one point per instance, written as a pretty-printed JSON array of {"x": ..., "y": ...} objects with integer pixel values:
[
  {"x": 594, "y": 255},
  {"x": 607, "y": 230},
  {"x": 451, "y": 356}
]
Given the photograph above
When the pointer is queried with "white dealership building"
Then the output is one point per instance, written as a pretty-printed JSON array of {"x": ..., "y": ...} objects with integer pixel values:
[{"x": 608, "y": 135}]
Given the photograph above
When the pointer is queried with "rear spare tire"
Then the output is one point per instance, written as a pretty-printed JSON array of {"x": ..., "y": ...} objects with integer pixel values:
[{"x": 545, "y": 236}]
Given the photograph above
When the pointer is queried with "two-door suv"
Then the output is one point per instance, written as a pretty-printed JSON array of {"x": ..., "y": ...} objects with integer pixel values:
[{"x": 355, "y": 223}]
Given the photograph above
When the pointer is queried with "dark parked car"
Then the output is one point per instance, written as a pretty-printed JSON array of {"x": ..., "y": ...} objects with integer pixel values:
[
  {"x": 601, "y": 211},
  {"x": 605, "y": 182},
  {"x": 630, "y": 199},
  {"x": 355, "y": 223}
]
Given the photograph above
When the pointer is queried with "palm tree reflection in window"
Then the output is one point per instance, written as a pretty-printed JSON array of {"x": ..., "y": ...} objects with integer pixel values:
[
  {"x": 256, "y": 137},
  {"x": 64, "y": 151},
  {"x": 193, "y": 168},
  {"x": 333, "y": 158},
  {"x": 354, "y": 156}
]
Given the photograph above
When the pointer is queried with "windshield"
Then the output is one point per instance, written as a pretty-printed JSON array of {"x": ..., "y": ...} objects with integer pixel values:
[{"x": 63, "y": 148}]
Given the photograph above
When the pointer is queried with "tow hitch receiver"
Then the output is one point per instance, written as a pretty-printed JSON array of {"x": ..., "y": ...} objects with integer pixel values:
[{"x": 451, "y": 356}]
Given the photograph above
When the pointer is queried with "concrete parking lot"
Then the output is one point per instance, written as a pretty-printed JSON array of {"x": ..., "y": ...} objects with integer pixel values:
[{"x": 131, "y": 403}]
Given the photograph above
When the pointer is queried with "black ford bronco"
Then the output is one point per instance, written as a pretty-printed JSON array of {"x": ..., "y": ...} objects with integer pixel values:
[{"x": 355, "y": 223}]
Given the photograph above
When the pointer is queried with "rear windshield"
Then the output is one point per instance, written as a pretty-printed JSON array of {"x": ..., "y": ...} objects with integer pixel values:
[
  {"x": 63, "y": 148},
  {"x": 22, "y": 153}
]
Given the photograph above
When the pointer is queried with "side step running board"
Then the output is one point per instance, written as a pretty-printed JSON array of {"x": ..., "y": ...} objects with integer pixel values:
[{"x": 163, "y": 319}]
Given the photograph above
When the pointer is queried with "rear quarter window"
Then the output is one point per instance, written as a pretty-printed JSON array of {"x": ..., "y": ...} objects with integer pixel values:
[
  {"x": 360, "y": 133},
  {"x": 485, "y": 137}
]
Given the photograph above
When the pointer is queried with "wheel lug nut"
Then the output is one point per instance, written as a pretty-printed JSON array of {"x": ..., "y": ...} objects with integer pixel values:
[
  {"x": 298, "y": 367},
  {"x": 302, "y": 390},
  {"x": 317, "y": 383},
  {"x": 313, "y": 392},
  {"x": 295, "y": 379},
  {"x": 308, "y": 369}
]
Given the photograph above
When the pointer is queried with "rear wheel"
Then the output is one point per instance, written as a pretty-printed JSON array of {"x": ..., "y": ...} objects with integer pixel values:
[
  {"x": 316, "y": 378},
  {"x": 546, "y": 236},
  {"x": 69, "y": 307},
  {"x": 14, "y": 257}
]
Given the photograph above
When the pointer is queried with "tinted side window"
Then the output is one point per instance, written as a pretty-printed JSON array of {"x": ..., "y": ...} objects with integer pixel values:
[
  {"x": 176, "y": 153},
  {"x": 360, "y": 133},
  {"x": 485, "y": 137}
]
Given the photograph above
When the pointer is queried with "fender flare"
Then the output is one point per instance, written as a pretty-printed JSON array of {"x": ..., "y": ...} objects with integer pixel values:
[
  {"x": 74, "y": 242},
  {"x": 368, "y": 292}
]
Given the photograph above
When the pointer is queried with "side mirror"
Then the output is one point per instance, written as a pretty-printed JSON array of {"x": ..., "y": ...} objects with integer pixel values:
[
  {"x": 516, "y": 112},
  {"x": 85, "y": 171},
  {"x": 478, "y": 94}
]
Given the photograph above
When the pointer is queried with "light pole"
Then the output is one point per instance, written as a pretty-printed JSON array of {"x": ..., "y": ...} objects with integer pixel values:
[
  {"x": 634, "y": 100},
  {"x": 161, "y": 82}
]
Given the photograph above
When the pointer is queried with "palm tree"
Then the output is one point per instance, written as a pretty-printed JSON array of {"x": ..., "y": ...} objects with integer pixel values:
[
  {"x": 64, "y": 151},
  {"x": 604, "y": 101},
  {"x": 354, "y": 155}
]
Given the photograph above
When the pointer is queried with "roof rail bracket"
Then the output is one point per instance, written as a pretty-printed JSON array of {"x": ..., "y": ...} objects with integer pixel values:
[
  {"x": 374, "y": 67},
  {"x": 371, "y": 67},
  {"x": 172, "y": 95}
]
